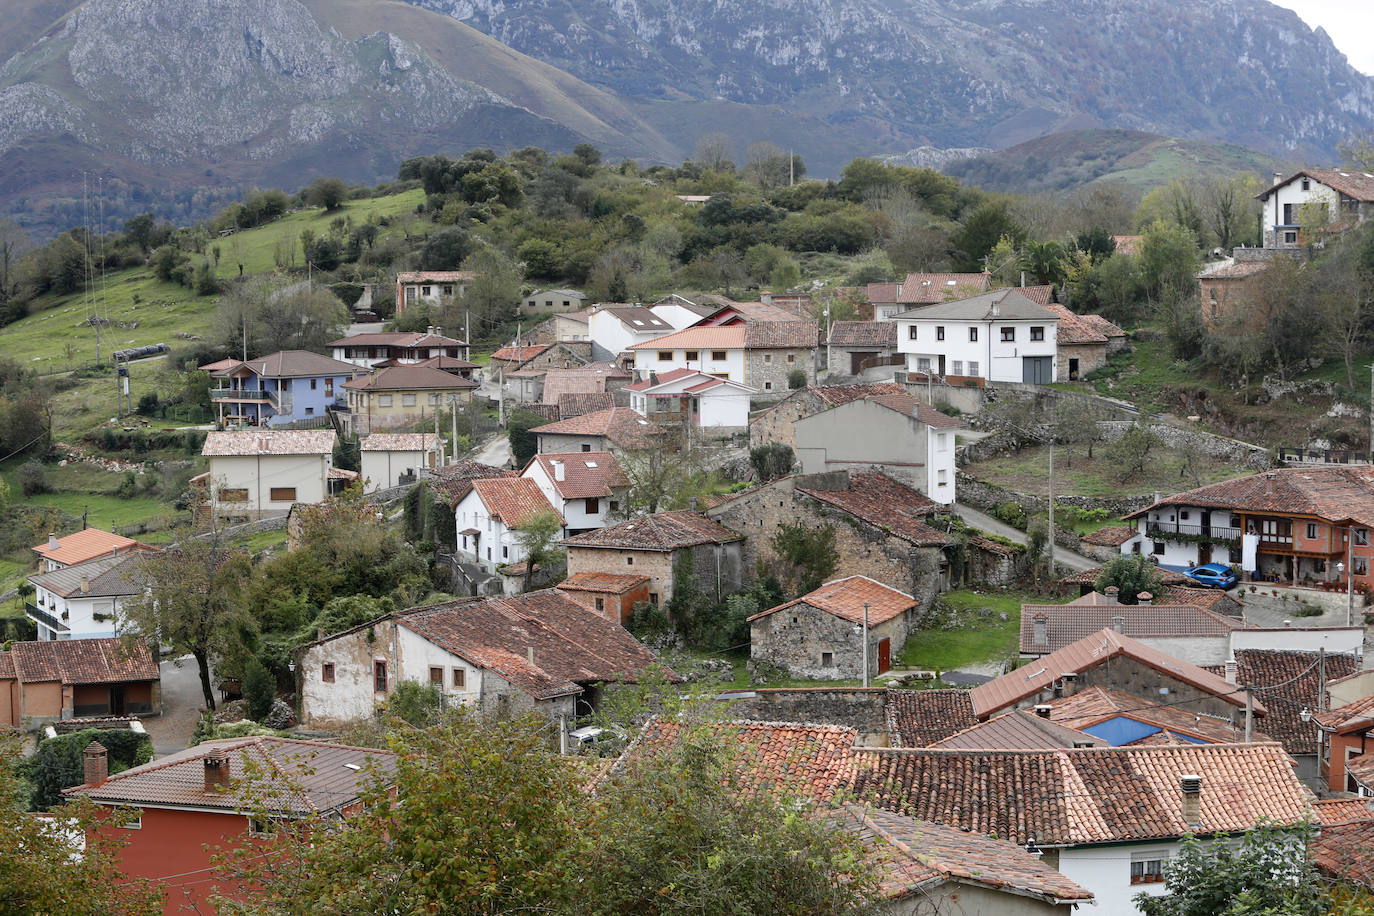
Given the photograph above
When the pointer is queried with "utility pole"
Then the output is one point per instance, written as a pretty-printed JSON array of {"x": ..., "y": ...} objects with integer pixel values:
[
  {"x": 453, "y": 415},
  {"x": 1052, "y": 507},
  {"x": 865, "y": 641},
  {"x": 1321, "y": 679},
  {"x": 1249, "y": 715},
  {"x": 830, "y": 366},
  {"x": 1371, "y": 413},
  {"x": 467, "y": 333}
]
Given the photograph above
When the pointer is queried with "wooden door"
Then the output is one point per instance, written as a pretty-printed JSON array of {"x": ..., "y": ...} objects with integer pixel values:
[{"x": 884, "y": 655}]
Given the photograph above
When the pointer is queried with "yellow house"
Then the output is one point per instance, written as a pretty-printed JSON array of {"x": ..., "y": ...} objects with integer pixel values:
[{"x": 401, "y": 396}]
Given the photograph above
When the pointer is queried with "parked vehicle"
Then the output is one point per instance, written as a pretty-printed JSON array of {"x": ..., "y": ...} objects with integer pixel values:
[{"x": 1212, "y": 575}]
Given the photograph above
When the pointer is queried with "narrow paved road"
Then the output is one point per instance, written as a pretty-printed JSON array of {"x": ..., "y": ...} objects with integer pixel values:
[
  {"x": 496, "y": 451},
  {"x": 1062, "y": 555},
  {"x": 182, "y": 702}
]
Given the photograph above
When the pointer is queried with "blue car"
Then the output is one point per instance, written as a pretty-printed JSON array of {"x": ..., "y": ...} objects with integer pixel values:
[{"x": 1212, "y": 575}]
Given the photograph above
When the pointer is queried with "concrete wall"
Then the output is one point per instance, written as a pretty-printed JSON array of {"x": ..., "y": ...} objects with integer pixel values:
[
  {"x": 555, "y": 443},
  {"x": 864, "y": 434},
  {"x": 260, "y": 474},
  {"x": 383, "y": 470}
]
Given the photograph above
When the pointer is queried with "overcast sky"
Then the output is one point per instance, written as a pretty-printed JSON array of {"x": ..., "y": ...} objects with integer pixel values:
[{"x": 1350, "y": 23}]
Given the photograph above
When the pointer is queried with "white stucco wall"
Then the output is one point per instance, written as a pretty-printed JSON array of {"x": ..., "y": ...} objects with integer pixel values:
[
  {"x": 1292, "y": 193},
  {"x": 732, "y": 366},
  {"x": 260, "y": 474},
  {"x": 382, "y": 470},
  {"x": 574, "y": 511},
  {"x": 487, "y": 548},
  {"x": 1106, "y": 871},
  {"x": 940, "y": 470},
  {"x": 675, "y": 315}
]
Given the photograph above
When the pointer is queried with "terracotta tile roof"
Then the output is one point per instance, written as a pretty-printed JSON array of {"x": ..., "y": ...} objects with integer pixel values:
[
  {"x": 452, "y": 479},
  {"x": 908, "y": 406},
  {"x": 409, "y": 378},
  {"x": 882, "y": 334},
  {"x": 1089, "y": 576},
  {"x": 664, "y": 531},
  {"x": 221, "y": 365},
  {"x": 655, "y": 379},
  {"x": 514, "y": 500},
  {"x": 845, "y": 599},
  {"x": 912, "y": 856},
  {"x": 620, "y": 425},
  {"x": 1361, "y": 768},
  {"x": 437, "y": 276},
  {"x": 1040, "y": 295},
  {"x": 789, "y": 758},
  {"x": 697, "y": 338},
  {"x": 1068, "y": 623},
  {"x": 585, "y": 474},
  {"x": 1096, "y": 705},
  {"x": 877, "y": 499},
  {"x": 923, "y": 289},
  {"x": 405, "y": 339},
  {"x": 303, "y": 777},
  {"x": 1072, "y": 329},
  {"x": 1111, "y": 536},
  {"x": 1210, "y": 599},
  {"x": 576, "y": 404},
  {"x": 399, "y": 442},
  {"x": 558, "y": 382},
  {"x": 300, "y": 364},
  {"x": 105, "y": 577},
  {"x": 1343, "y": 852},
  {"x": 1128, "y": 244},
  {"x": 82, "y": 661},
  {"x": 1352, "y": 183},
  {"x": 519, "y": 355},
  {"x": 919, "y": 718},
  {"x": 767, "y": 335},
  {"x": 754, "y": 312},
  {"x": 572, "y": 644},
  {"x": 1090, "y": 652},
  {"x": 269, "y": 442},
  {"x": 1332, "y": 811},
  {"x": 1018, "y": 730},
  {"x": 446, "y": 363},
  {"x": 1102, "y": 326},
  {"x": 1287, "y": 681},
  {"x": 614, "y": 583},
  {"x": 1334, "y": 493},
  {"x": 1232, "y": 270},
  {"x": 86, "y": 544},
  {"x": 1358, "y": 714},
  {"x": 1077, "y": 796},
  {"x": 882, "y": 292},
  {"x": 834, "y": 395}
]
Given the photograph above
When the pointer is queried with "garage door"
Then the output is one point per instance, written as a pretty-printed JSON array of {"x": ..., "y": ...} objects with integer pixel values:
[{"x": 1037, "y": 370}]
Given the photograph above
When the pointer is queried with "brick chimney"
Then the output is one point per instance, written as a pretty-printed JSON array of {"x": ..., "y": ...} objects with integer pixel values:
[
  {"x": 1191, "y": 787},
  {"x": 216, "y": 771},
  {"x": 95, "y": 763}
]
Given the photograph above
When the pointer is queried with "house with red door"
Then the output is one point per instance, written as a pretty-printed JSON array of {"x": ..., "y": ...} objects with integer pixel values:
[
  {"x": 1304, "y": 525},
  {"x": 825, "y": 633},
  {"x": 222, "y": 794}
]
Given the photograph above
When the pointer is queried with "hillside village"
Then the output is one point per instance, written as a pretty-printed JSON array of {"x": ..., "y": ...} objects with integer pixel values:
[{"x": 547, "y": 507}]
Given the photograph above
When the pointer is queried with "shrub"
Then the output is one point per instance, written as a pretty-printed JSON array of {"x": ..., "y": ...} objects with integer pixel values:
[
  {"x": 33, "y": 478},
  {"x": 259, "y": 690},
  {"x": 1013, "y": 514},
  {"x": 58, "y": 764},
  {"x": 796, "y": 379}
]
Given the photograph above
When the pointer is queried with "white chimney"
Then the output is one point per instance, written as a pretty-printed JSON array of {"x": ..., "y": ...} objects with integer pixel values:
[
  {"x": 1230, "y": 668},
  {"x": 560, "y": 473},
  {"x": 529, "y": 654},
  {"x": 1119, "y": 624},
  {"x": 1040, "y": 635},
  {"x": 1277, "y": 178},
  {"x": 1043, "y": 710},
  {"x": 85, "y": 585},
  {"x": 52, "y": 541}
]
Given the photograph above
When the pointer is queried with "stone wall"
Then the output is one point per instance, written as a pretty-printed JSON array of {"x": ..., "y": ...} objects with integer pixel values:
[
  {"x": 863, "y": 709},
  {"x": 1255, "y": 457},
  {"x": 778, "y": 423},
  {"x": 766, "y": 370},
  {"x": 796, "y": 638},
  {"x": 657, "y": 566},
  {"x": 988, "y": 496},
  {"x": 1130, "y": 676}
]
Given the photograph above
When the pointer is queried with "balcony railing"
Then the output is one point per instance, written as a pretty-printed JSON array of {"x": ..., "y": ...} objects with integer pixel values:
[
  {"x": 1218, "y": 533},
  {"x": 240, "y": 394},
  {"x": 43, "y": 617}
]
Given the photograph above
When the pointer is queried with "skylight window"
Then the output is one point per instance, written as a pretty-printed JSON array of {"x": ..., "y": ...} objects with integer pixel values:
[
  {"x": 590, "y": 464},
  {"x": 950, "y": 283},
  {"x": 352, "y": 766}
]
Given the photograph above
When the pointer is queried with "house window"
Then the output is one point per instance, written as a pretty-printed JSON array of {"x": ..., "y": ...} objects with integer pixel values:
[
  {"x": 653, "y": 598},
  {"x": 791, "y": 357},
  {"x": 283, "y": 494},
  {"x": 383, "y": 400},
  {"x": 1008, "y": 335},
  {"x": 692, "y": 356},
  {"x": 1361, "y": 537},
  {"x": 327, "y": 672},
  {"x": 956, "y": 367},
  {"x": 1183, "y": 516},
  {"x": 593, "y": 505},
  {"x": 942, "y": 478},
  {"x": 665, "y": 356},
  {"x": 972, "y": 335},
  {"x": 233, "y": 496},
  {"x": 1307, "y": 184},
  {"x": 718, "y": 355},
  {"x": 911, "y": 332},
  {"x": 1037, "y": 333},
  {"x": 973, "y": 367},
  {"x": 134, "y": 824},
  {"x": 436, "y": 675},
  {"x": 767, "y": 386},
  {"x": 1147, "y": 870},
  {"x": 1311, "y": 531},
  {"x": 827, "y": 659},
  {"x": 601, "y": 604},
  {"x": 1157, "y": 548},
  {"x": 923, "y": 364},
  {"x": 379, "y": 676},
  {"x": 505, "y": 552},
  {"x": 460, "y": 678},
  {"x": 939, "y": 332},
  {"x": 768, "y": 357},
  {"x": 434, "y": 399},
  {"x": 586, "y": 446},
  {"x": 1361, "y": 566},
  {"x": 408, "y": 400},
  {"x": 1290, "y": 237},
  {"x": 312, "y": 384},
  {"x": 629, "y": 561},
  {"x": 309, "y": 411}
]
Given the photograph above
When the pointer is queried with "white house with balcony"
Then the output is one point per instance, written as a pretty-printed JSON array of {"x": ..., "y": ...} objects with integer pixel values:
[
  {"x": 679, "y": 395},
  {"x": 83, "y": 601},
  {"x": 1000, "y": 336},
  {"x": 1311, "y": 198},
  {"x": 258, "y": 474}
]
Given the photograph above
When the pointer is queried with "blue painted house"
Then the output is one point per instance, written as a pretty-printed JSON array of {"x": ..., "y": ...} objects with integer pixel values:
[{"x": 289, "y": 387}]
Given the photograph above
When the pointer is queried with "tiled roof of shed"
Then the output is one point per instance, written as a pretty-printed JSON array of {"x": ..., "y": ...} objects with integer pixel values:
[
  {"x": 1343, "y": 851},
  {"x": 1331, "y": 811},
  {"x": 920, "y": 718},
  {"x": 615, "y": 583},
  {"x": 664, "y": 531},
  {"x": 875, "y": 498},
  {"x": 882, "y": 334},
  {"x": 1287, "y": 681},
  {"x": 82, "y": 661},
  {"x": 1111, "y": 536},
  {"x": 521, "y": 354},
  {"x": 452, "y": 479},
  {"x": 572, "y": 404},
  {"x": 1072, "y": 328},
  {"x": 845, "y": 599}
]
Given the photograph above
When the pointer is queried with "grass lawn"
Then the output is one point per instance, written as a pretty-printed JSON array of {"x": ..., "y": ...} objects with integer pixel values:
[
  {"x": 262, "y": 540},
  {"x": 12, "y": 572},
  {"x": 79, "y": 487},
  {"x": 981, "y": 636},
  {"x": 1027, "y": 471}
]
